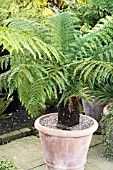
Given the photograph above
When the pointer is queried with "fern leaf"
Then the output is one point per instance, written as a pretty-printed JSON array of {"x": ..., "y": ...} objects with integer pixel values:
[{"x": 4, "y": 61}]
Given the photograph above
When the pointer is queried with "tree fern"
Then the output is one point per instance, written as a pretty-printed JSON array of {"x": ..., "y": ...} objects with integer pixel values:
[{"x": 52, "y": 58}]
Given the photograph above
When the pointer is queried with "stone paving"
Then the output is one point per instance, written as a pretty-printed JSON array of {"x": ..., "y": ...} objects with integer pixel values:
[{"x": 27, "y": 154}]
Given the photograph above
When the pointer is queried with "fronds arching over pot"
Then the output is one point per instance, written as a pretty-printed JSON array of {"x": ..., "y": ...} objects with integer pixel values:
[{"x": 53, "y": 60}]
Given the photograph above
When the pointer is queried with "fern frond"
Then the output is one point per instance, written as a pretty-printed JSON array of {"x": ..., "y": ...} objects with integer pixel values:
[
  {"x": 4, "y": 62},
  {"x": 96, "y": 41},
  {"x": 35, "y": 84},
  {"x": 105, "y": 5},
  {"x": 53, "y": 57},
  {"x": 9, "y": 81},
  {"x": 103, "y": 92},
  {"x": 62, "y": 27},
  {"x": 18, "y": 41},
  {"x": 93, "y": 70}
]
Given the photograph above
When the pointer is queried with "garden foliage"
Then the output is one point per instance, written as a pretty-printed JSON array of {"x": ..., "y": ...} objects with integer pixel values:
[{"x": 52, "y": 55}]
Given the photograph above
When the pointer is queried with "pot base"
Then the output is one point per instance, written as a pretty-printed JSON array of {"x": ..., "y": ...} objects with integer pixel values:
[{"x": 50, "y": 167}]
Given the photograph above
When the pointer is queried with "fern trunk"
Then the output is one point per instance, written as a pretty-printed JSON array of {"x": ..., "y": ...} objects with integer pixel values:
[{"x": 68, "y": 115}]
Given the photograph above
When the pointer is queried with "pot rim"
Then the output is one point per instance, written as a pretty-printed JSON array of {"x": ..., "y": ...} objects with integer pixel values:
[
  {"x": 105, "y": 109},
  {"x": 65, "y": 133}
]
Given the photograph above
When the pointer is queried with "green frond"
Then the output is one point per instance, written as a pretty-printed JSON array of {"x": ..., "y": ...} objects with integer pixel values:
[
  {"x": 4, "y": 4},
  {"x": 4, "y": 62},
  {"x": 9, "y": 81},
  {"x": 103, "y": 93},
  {"x": 4, "y": 104},
  {"x": 105, "y": 5},
  {"x": 53, "y": 56},
  {"x": 15, "y": 40},
  {"x": 4, "y": 9},
  {"x": 96, "y": 42},
  {"x": 62, "y": 27},
  {"x": 76, "y": 89},
  {"x": 35, "y": 84},
  {"x": 93, "y": 70},
  {"x": 31, "y": 89},
  {"x": 27, "y": 26}
]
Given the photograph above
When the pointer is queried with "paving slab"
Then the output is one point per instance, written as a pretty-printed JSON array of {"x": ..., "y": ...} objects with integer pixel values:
[
  {"x": 27, "y": 154},
  {"x": 96, "y": 139},
  {"x": 17, "y": 134},
  {"x": 95, "y": 158}
]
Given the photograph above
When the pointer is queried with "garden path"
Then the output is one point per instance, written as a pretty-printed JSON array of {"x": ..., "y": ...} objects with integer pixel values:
[{"x": 27, "y": 154}]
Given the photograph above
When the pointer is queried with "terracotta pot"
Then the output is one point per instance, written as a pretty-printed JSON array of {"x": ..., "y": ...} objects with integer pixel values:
[
  {"x": 105, "y": 110},
  {"x": 93, "y": 110},
  {"x": 65, "y": 150}
]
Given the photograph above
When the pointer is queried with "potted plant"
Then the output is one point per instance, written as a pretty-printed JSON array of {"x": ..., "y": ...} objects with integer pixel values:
[
  {"x": 47, "y": 135},
  {"x": 51, "y": 60},
  {"x": 93, "y": 109},
  {"x": 104, "y": 93},
  {"x": 43, "y": 79}
]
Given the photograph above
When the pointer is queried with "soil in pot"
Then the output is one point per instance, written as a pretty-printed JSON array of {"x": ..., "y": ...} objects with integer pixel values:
[{"x": 51, "y": 122}]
